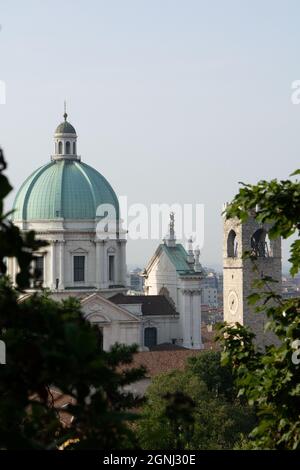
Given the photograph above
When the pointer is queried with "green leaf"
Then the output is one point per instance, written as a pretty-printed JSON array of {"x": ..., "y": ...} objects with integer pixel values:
[{"x": 253, "y": 298}]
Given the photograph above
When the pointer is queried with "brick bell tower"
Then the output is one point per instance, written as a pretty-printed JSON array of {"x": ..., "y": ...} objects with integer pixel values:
[{"x": 239, "y": 274}]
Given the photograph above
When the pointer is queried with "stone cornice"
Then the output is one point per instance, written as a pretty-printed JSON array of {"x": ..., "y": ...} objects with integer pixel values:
[{"x": 191, "y": 291}]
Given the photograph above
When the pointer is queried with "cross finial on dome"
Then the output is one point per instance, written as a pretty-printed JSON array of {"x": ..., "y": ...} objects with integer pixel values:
[{"x": 65, "y": 108}]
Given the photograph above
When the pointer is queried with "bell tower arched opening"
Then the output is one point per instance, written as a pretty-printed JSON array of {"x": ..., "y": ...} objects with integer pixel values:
[
  {"x": 260, "y": 244},
  {"x": 232, "y": 245},
  {"x": 68, "y": 148}
]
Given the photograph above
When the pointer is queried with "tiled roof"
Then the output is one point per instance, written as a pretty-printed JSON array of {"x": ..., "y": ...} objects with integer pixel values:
[
  {"x": 151, "y": 304},
  {"x": 168, "y": 359},
  {"x": 158, "y": 362}
]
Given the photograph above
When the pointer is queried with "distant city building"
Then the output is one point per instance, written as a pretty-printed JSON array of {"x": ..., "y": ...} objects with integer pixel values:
[
  {"x": 290, "y": 287},
  {"x": 209, "y": 297},
  {"x": 212, "y": 289},
  {"x": 210, "y": 280},
  {"x": 136, "y": 280},
  {"x": 211, "y": 315}
]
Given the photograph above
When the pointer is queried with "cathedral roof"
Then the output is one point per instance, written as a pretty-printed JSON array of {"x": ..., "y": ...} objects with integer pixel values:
[
  {"x": 63, "y": 189},
  {"x": 178, "y": 257},
  {"x": 151, "y": 304}
]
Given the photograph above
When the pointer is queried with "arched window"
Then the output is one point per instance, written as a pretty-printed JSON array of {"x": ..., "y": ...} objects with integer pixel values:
[
  {"x": 260, "y": 244},
  {"x": 74, "y": 148},
  {"x": 68, "y": 148},
  {"x": 60, "y": 148},
  {"x": 232, "y": 245},
  {"x": 150, "y": 337}
]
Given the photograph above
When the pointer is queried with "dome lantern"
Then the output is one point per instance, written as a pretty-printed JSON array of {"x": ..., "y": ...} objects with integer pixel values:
[{"x": 65, "y": 141}]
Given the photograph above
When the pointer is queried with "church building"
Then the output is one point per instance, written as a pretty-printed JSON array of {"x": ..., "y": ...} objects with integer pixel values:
[
  {"x": 177, "y": 274},
  {"x": 64, "y": 202}
]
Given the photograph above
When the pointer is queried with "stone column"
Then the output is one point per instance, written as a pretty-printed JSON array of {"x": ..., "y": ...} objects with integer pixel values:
[
  {"x": 61, "y": 264},
  {"x": 196, "y": 323},
  {"x": 122, "y": 269},
  {"x": 118, "y": 266},
  {"x": 53, "y": 265},
  {"x": 103, "y": 258},
  {"x": 186, "y": 318},
  {"x": 98, "y": 266}
]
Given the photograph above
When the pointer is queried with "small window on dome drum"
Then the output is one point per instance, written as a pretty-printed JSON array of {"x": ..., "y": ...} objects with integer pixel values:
[
  {"x": 74, "y": 148},
  {"x": 68, "y": 148},
  {"x": 60, "y": 148}
]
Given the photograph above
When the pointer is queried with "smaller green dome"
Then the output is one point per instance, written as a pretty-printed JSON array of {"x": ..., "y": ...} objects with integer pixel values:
[{"x": 65, "y": 128}]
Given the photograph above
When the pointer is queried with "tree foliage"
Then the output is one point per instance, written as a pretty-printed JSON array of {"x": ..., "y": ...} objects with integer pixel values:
[
  {"x": 270, "y": 380},
  {"x": 183, "y": 411},
  {"x": 12, "y": 243},
  {"x": 51, "y": 347},
  {"x": 219, "y": 380}
]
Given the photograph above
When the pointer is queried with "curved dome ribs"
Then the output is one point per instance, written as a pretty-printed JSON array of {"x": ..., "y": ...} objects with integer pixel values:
[
  {"x": 103, "y": 191},
  {"x": 22, "y": 209},
  {"x": 63, "y": 189},
  {"x": 84, "y": 175}
]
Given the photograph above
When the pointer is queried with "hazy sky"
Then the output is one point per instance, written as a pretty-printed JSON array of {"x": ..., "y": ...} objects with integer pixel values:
[{"x": 173, "y": 101}]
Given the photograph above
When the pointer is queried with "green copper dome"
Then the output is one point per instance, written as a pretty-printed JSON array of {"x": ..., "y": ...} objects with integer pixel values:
[
  {"x": 66, "y": 189},
  {"x": 65, "y": 128}
]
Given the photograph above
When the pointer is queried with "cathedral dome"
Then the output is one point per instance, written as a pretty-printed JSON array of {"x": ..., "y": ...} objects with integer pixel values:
[{"x": 63, "y": 188}]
